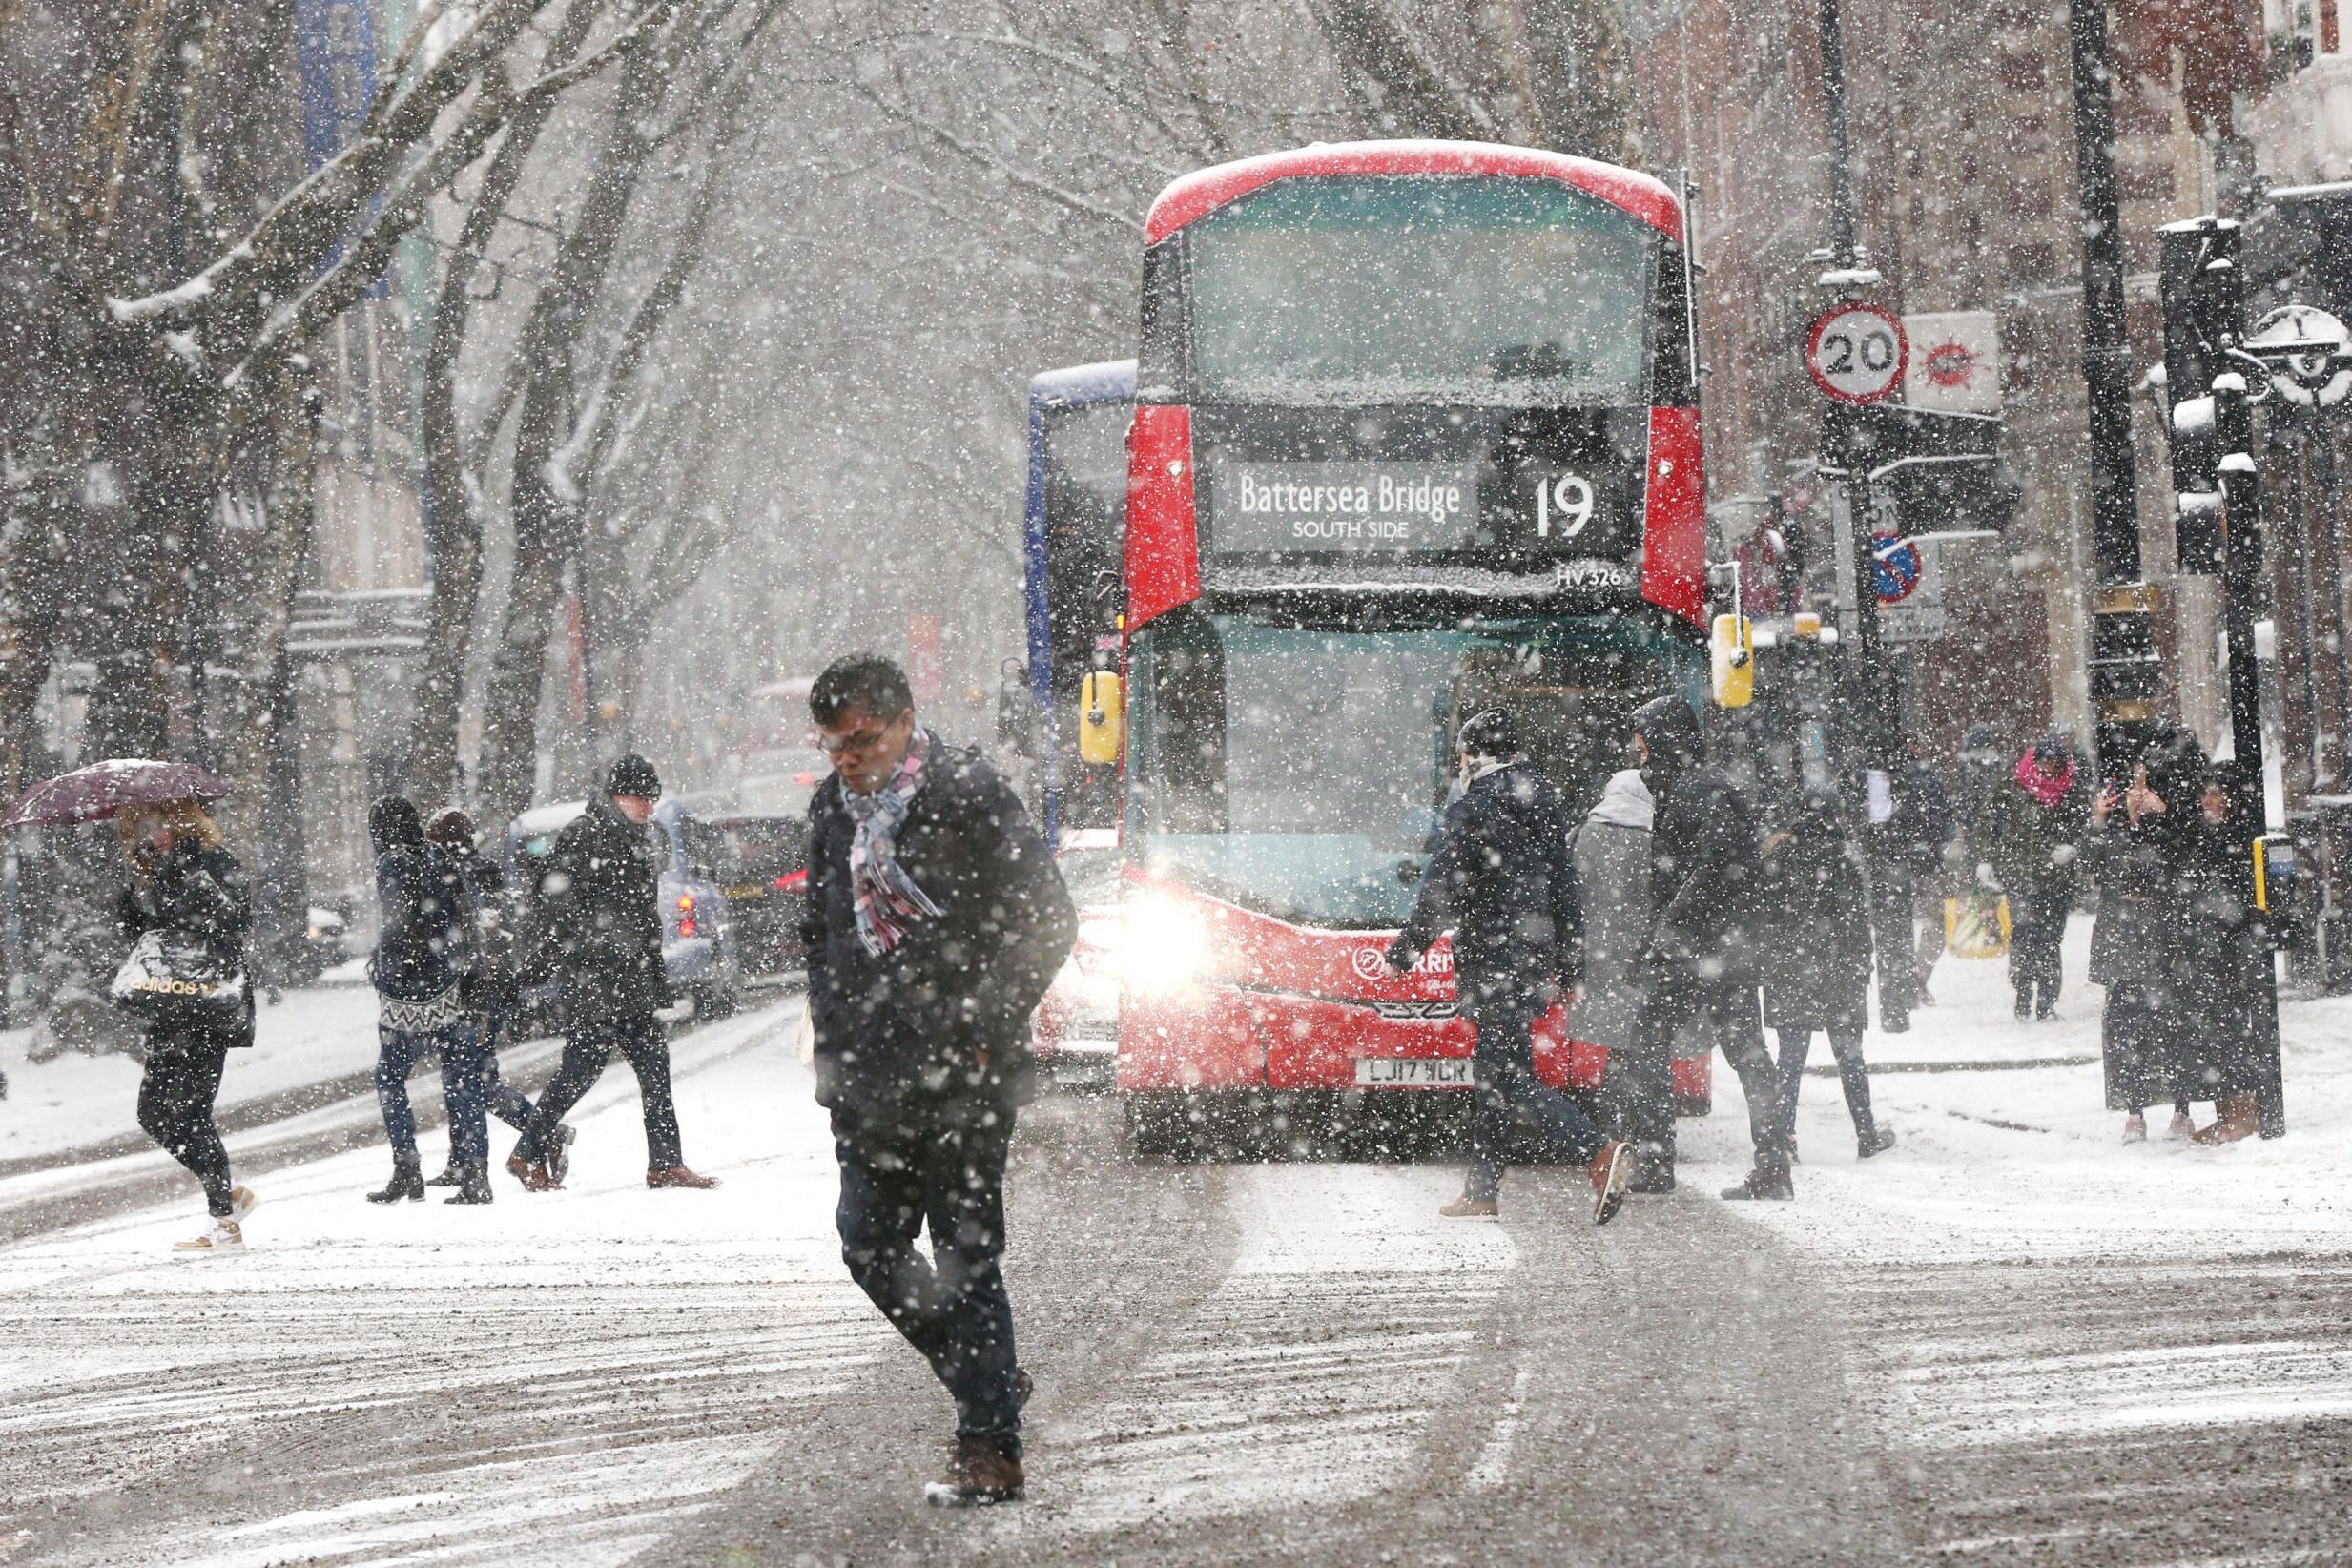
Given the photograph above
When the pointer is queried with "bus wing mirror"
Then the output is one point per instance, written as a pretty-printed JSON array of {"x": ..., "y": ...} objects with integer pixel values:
[
  {"x": 1731, "y": 661},
  {"x": 1102, "y": 719}
]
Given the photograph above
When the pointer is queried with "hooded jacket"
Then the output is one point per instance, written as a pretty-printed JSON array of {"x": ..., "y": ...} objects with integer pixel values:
[
  {"x": 1499, "y": 880},
  {"x": 946, "y": 1012},
  {"x": 1610, "y": 851},
  {"x": 426, "y": 941}
]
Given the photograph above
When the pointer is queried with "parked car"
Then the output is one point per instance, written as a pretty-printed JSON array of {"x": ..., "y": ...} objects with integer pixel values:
[
  {"x": 699, "y": 946},
  {"x": 762, "y": 866},
  {"x": 1077, "y": 1022}
]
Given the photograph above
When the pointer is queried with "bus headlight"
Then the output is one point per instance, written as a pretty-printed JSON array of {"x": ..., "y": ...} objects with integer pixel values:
[{"x": 1164, "y": 947}]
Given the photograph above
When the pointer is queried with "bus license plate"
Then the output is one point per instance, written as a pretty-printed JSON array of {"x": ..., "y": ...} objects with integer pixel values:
[{"x": 1413, "y": 1072}]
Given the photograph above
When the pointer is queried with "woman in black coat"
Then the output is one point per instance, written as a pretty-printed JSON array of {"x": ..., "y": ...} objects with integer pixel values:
[
  {"x": 2141, "y": 950},
  {"x": 2227, "y": 953},
  {"x": 1817, "y": 955},
  {"x": 185, "y": 883}
]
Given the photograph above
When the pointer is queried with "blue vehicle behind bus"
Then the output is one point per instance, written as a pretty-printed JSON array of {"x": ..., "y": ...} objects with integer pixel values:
[{"x": 1074, "y": 531}]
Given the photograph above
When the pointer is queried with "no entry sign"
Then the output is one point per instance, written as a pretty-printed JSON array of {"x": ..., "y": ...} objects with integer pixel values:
[{"x": 1856, "y": 353}]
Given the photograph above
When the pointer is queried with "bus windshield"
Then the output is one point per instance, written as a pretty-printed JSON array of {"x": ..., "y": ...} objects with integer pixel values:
[
  {"x": 1301, "y": 772},
  {"x": 1473, "y": 289}
]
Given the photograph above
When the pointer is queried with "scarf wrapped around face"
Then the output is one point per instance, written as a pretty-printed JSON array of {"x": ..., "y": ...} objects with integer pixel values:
[
  {"x": 2046, "y": 788},
  {"x": 888, "y": 901}
]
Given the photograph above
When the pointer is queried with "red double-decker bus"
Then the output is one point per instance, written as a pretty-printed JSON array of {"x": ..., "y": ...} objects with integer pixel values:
[{"x": 1416, "y": 434}]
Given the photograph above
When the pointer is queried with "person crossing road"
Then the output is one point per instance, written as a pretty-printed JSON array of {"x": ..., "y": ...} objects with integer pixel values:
[
  {"x": 602, "y": 934},
  {"x": 1500, "y": 881}
]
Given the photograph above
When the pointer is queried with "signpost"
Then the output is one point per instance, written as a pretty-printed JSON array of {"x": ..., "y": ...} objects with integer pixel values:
[{"x": 1856, "y": 354}]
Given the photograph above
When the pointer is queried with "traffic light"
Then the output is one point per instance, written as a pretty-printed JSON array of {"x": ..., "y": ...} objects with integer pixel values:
[
  {"x": 1944, "y": 472},
  {"x": 2204, "y": 310}
]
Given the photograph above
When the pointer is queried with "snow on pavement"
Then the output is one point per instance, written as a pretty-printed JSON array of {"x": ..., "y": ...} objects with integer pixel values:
[{"x": 353, "y": 1388}]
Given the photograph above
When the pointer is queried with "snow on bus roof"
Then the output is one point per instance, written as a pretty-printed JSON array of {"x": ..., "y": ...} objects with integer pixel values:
[{"x": 1206, "y": 189}]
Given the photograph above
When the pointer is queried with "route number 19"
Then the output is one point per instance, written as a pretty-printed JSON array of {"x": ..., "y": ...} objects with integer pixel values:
[{"x": 1566, "y": 502}]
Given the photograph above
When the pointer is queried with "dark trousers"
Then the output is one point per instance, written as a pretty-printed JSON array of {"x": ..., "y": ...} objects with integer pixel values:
[
  {"x": 2036, "y": 926},
  {"x": 176, "y": 1109},
  {"x": 1513, "y": 1101},
  {"x": 640, "y": 1039},
  {"x": 1853, "y": 1077},
  {"x": 938, "y": 1167},
  {"x": 1893, "y": 893},
  {"x": 1731, "y": 1019},
  {"x": 500, "y": 1098},
  {"x": 397, "y": 1052}
]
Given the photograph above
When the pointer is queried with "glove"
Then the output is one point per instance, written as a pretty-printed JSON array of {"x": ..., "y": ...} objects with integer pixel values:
[{"x": 1985, "y": 877}]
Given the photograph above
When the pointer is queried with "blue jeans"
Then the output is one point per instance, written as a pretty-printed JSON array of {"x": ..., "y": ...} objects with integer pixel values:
[
  {"x": 940, "y": 1166},
  {"x": 397, "y": 1051},
  {"x": 500, "y": 1098},
  {"x": 1509, "y": 1093}
]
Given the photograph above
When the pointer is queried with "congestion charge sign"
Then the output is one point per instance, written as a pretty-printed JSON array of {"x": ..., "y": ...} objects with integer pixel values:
[
  {"x": 1345, "y": 507},
  {"x": 1857, "y": 353}
]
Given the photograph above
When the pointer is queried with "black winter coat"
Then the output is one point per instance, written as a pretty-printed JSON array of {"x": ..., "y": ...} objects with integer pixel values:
[
  {"x": 199, "y": 891},
  {"x": 1502, "y": 883},
  {"x": 2227, "y": 959},
  {"x": 2141, "y": 952},
  {"x": 946, "y": 1012},
  {"x": 425, "y": 938},
  {"x": 1702, "y": 874},
  {"x": 600, "y": 926},
  {"x": 1913, "y": 840},
  {"x": 1816, "y": 928}
]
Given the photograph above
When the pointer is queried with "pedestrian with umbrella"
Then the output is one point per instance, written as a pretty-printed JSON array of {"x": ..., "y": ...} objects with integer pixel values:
[{"x": 188, "y": 917}]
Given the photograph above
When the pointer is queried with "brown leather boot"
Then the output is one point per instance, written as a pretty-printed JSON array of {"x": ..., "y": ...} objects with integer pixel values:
[
  {"x": 2236, "y": 1116},
  {"x": 979, "y": 1474},
  {"x": 1468, "y": 1207},
  {"x": 678, "y": 1176},
  {"x": 533, "y": 1174}
]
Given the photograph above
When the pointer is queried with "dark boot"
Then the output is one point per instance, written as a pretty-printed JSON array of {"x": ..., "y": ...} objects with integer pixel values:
[
  {"x": 451, "y": 1174},
  {"x": 1762, "y": 1185},
  {"x": 979, "y": 1472},
  {"x": 407, "y": 1182},
  {"x": 1877, "y": 1141},
  {"x": 473, "y": 1185}
]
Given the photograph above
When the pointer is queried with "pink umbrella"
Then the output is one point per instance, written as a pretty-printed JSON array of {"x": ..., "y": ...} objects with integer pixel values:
[{"x": 101, "y": 790}]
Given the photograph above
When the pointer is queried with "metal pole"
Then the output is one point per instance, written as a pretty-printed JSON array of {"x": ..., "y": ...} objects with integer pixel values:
[
  {"x": 1841, "y": 221},
  {"x": 2242, "y": 576},
  {"x": 2124, "y": 661}
]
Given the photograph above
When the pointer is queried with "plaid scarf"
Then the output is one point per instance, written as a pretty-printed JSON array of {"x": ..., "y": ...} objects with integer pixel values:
[{"x": 888, "y": 900}]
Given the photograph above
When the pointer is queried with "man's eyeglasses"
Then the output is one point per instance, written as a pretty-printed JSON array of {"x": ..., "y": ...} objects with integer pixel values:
[{"x": 856, "y": 740}]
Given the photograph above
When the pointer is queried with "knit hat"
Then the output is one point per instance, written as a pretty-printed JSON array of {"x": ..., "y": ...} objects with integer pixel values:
[{"x": 633, "y": 774}]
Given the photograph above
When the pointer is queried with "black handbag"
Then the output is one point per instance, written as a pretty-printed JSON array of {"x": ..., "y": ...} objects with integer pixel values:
[{"x": 177, "y": 979}]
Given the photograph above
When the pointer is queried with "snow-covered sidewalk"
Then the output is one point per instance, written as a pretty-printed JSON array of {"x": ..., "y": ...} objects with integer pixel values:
[
  {"x": 318, "y": 1034},
  {"x": 2008, "y": 1162}
]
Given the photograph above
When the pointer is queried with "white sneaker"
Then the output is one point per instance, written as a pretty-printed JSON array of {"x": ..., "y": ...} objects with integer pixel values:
[
  {"x": 242, "y": 1202},
  {"x": 223, "y": 1235}
]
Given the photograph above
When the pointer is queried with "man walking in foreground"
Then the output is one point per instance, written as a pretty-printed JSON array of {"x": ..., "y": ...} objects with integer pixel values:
[
  {"x": 1501, "y": 883},
  {"x": 602, "y": 932},
  {"x": 936, "y": 921}
]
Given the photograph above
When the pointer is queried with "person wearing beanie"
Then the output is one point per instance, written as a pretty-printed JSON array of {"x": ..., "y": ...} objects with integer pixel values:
[
  {"x": 1701, "y": 958},
  {"x": 600, "y": 932},
  {"x": 1499, "y": 880}
]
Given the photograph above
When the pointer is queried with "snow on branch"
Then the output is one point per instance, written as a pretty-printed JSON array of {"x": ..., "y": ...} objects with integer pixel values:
[{"x": 1022, "y": 178}]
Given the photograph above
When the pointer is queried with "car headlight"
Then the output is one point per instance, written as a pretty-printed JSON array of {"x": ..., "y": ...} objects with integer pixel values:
[{"x": 1165, "y": 946}]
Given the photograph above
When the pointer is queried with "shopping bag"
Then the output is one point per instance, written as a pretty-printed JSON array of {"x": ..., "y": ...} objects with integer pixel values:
[{"x": 1977, "y": 925}]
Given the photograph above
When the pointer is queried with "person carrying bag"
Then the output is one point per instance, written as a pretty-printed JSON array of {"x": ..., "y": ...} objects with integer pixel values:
[{"x": 188, "y": 914}]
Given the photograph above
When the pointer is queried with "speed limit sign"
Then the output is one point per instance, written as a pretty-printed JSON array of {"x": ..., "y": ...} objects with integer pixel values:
[{"x": 1856, "y": 353}]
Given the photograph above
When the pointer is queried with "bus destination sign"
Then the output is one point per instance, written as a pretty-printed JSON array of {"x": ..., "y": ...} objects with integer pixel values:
[{"x": 1345, "y": 509}]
